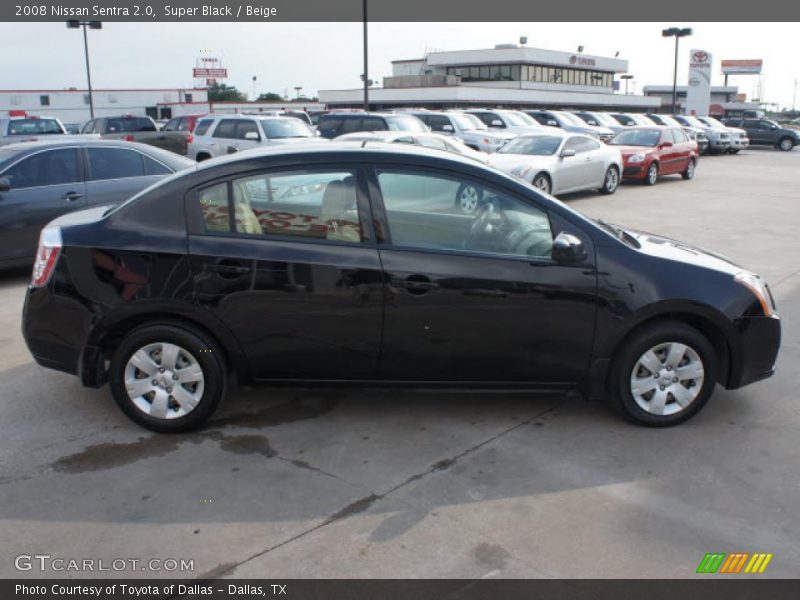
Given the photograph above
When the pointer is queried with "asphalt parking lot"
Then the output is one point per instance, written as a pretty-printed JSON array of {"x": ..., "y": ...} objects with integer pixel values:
[{"x": 303, "y": 483}]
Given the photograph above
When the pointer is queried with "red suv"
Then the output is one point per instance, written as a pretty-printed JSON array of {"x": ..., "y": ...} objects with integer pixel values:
[{"x": 649, "y": 152}]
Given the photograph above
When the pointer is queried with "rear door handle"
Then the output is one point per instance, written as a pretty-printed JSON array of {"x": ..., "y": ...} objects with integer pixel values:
[
  {"x": 72, "y": 196},
  {"x": 415, "y": 284}
]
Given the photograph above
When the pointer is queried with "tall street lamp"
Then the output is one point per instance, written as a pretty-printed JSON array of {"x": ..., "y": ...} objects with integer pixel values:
[
  {"x": 677, "y": 33},
  {"x": 627, "y": 78},
  {"x": 366, "y": 61},
  {"x": 90, "y": 25},
  {"x": 297, "y": 89}
]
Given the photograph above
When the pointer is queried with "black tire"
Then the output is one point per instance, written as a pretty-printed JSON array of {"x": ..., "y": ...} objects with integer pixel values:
[
  {"x": 207, "y": 354},
  {"x": 609, "y": 187},
  {"x": 651, "y": 177},
  {"x": 545, "y": 179},
  {"x": 468, "y": 206},
  {"x": 688, "y": 173},
  {"x": 736, "y": 151},
  {"x": 635, "y": 346},
  {"x": 786, "y": 144},
  {"x": 202, "y": 156}
]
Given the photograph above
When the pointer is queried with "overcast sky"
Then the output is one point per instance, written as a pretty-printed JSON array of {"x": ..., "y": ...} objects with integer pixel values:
[{"x": 328, "y": 55}]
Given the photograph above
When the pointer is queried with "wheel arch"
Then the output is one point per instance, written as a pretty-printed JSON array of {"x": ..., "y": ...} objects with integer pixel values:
[{"x": 106, "y": 337}]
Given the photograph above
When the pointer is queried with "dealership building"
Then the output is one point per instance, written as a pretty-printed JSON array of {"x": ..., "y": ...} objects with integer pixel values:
[
  {"x": 725, "y": 101},
  {"x": 507, "y": 75}
]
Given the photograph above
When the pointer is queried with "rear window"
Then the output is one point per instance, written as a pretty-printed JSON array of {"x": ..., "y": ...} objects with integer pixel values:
[
  {"x": 130, "y": 124},
  {"x": 202, "y": 126},
  {"x": 328, "y": 124},
  {"x": 286, "y": 128},
  {"x": 34, "y": 127},
  {"x": 405, "y": 123},
  {"x": 114, "y": 163}
]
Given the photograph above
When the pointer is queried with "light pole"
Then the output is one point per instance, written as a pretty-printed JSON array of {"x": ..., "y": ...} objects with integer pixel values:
[
  {"x": 627, "y": 78},
  {"x": 297, "y": 89},
  {"x": 90, "y": 25},
  {"x": 254, "y": 87},
  {"x": 366, "y": 61},
  {"x": 677, "y": 33},
  {"x": 794, "y": 101}
]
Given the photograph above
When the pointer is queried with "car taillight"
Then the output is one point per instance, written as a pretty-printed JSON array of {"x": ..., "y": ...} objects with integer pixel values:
[
  {"x": 129, "y": 137},
  {"x": 46, "y": 255},
  {"x": 189, "y": 138}
]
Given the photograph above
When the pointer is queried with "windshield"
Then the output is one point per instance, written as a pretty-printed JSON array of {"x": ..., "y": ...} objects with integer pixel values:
[
  {"x": 540, "y": 145},
  {"x": 405, "y": 123},
  {"x": 33, "y": 127},
  {"x": 637, "y": 137},
  {"x": 693, "y": 121},
  {"x": 713, "y": 123},
  {"x": 603, "y": 119},
  {"x": 521, "y": 119},
  {"x": 468, "y": 122},
  {"x": 641, "y": 120},
  {"x": 670, "y": 121},
  {"x": 571, "y": 119},
  {"x": 286, "y": 128}
]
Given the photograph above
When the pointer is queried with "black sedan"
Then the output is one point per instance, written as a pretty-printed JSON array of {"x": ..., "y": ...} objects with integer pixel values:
[
  {"x": 342, "y": 264},
  {"x": 42, "y": 180}
]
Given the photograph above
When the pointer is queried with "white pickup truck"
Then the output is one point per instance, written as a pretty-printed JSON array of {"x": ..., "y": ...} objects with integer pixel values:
[{"x": 32, "y": 129}]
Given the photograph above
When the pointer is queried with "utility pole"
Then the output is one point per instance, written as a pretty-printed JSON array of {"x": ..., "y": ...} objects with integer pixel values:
[
  {"x": 677, "y": 33},
  {"x": 84, "y": 25},
  {"x": 366, "y": 60}
]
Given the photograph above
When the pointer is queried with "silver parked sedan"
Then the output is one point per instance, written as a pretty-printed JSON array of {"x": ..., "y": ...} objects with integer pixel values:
[
  {"x": 561, "y": 163},
  {"x": 40, "y": 181}
]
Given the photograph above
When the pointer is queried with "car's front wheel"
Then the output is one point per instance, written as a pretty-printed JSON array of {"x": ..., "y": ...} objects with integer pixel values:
[
  {"x": 688, "y": 173},
  {"x": 542, "y": 182},
  {"x": 664, "y": 374},
  {"x": 611, "y": 180},
  {"x": 652, "y": 174},
  {"x": 167, "y": 378}
]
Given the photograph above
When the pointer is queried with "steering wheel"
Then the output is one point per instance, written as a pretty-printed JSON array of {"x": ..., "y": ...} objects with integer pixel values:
[{"x": 483, "y": 227}]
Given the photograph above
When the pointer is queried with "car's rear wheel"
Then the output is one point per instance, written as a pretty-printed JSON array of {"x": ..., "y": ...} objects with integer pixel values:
[
  {"x": 652, "y": 174},
  {"x": 786, "y": 144},
  {"x": 167, "y": 378},
  {"x": 203, "y": 156},
  {"x": 664, "y": 374},
  {"x": 688, "y": 173},
  {"x": 611, "y": 180},
  {"x": 542, "y": 182},
  {"x": 468, "y": 197}
]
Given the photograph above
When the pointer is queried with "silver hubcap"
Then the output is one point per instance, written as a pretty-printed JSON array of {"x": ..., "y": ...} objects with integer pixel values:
[
  {"x": 652, "y": 174},
  {"x": 468, "y": 200},
  {"x": 690, "y": 170},
  {"x": 611, "y": 180},
  {"x": 164, "y": 381},
  {"x": 542, "y": 184},
  {"x": 786, "y": 145},
  {"x": 667, "y": 378}
]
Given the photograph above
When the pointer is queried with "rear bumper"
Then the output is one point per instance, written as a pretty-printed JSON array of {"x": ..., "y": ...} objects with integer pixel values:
[{"x": 759, "y": 342}]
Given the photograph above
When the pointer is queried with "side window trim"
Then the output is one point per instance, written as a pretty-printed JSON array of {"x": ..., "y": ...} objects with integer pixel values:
[
  {"x": 88, "y": 169},
  {"x": 383, "y": 230}
]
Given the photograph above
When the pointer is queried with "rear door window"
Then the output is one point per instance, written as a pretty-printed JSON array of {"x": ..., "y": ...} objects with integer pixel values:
[
  {"x": 114, "y": 163},
  {"x": 437, "y": 122},
  {"x": 202, "y": 126},
  {"x": 350, "y": 125},
  {"x": 226, "y": 128},
  {"x": 244, "y": 127}
]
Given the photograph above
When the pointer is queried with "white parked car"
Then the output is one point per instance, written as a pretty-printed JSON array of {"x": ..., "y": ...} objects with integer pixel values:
[
  {"x": 434, "y": 141},
  {"x": 559, "y": 163},
  {"x": 218, "y": 135},
  {"x": 468, "y": 128},
  {"x": 739, "y": 139}
]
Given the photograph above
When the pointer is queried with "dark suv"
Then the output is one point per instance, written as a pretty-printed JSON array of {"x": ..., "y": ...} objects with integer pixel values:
[
  {"x": 763, "y": 132},
  {"x": 331, "y": 264},
  {"x": 335, "y": 124}
]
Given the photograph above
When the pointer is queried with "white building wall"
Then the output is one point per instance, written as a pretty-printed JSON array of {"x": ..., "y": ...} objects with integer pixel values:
[{"x": 72, "y": 106}]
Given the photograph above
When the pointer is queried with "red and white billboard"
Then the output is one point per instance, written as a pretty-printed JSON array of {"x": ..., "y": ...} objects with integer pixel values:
[
  {"x": 210, "y": 73},
  {"x": 750, "y": 66}
]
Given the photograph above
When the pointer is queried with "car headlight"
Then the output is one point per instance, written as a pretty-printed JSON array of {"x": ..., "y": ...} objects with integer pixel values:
[
  {"x": 756, "y": 285},
  {"x": 636, "y": 158}
]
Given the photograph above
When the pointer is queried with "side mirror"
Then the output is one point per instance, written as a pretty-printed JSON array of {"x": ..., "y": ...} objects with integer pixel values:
[
  {"x": 232, "y": 149},
  {"x": 553, "y": 123},
  {"x": 448, "y": 128},
  {"x": 567, "y": 248},
  {"x": 496, "y": 123},
  {"x": 5, "y": 184},
  {"x": 569, "y": 152},
  {"x": 251, "y": 135}
]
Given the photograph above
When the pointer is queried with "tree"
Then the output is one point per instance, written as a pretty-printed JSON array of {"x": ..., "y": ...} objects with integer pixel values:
[
  {"x": 219, "y": 92},
  {"x": 270, "y": 97}
]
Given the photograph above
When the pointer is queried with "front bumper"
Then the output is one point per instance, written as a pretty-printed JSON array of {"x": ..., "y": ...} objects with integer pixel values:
[
  {"x": 635, "y": 171},
  {"x": 759, "y": 342},
  {"x": 719, "y": 145},
  {"x": 740, "y": 143}
]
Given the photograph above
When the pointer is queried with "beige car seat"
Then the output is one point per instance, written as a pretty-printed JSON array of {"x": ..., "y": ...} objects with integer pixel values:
[{"x": 339, "y": 212}]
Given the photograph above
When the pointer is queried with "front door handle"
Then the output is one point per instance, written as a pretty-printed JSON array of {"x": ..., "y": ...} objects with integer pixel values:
[
  {"x": 228, "y": 269},
  {"x": 415, "y": 284},
  {"x": 72, "y": 196}
]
